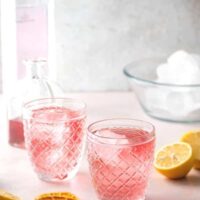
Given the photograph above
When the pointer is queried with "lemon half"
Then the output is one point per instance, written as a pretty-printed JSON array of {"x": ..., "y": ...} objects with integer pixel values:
[
  {"x": 174, "y": 160},
  {"x": 57, "y": 196},
  {"x": 7, "y": 196},
  {"x": 193, "y": 138}
]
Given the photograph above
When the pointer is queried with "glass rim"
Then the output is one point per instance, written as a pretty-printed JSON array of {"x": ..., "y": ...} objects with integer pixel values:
[
  {"x": 28, "y": 105},
  {"x": 92, "y": 134}
]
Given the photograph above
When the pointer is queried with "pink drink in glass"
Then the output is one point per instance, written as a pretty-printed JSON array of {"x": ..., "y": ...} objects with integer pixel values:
[
  {"x": 120, "y": 159},
  {"x": 54, "y": 138}
]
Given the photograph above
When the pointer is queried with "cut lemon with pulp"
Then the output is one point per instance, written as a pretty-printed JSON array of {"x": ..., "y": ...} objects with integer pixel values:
[
  {"x": 7, "y": 196},
  {"x": 193, "y": 138},
  {"x": 57, "y": 196},
  {"x": 174, "y": 160}
]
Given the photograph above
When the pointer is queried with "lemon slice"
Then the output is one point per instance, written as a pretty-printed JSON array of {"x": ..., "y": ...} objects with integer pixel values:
[
  {"x": 7, "y": 196},
  {"x": 193, "y": 138},
  {"x": 57, "y": 196},
  {"x": 174, "y": 160}
]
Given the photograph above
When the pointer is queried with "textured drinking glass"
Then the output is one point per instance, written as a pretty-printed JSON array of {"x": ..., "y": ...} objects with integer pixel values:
[
  {"x": 54, "y": 136},
  {"x": 120, "y": 155}
]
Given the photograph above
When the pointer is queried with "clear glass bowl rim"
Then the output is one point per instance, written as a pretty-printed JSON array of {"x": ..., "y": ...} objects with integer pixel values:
[{"x": 137, "y": 78}]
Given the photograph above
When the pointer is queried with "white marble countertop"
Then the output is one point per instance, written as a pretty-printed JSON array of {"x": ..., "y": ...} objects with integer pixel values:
[{"x": 16, "y": 175}]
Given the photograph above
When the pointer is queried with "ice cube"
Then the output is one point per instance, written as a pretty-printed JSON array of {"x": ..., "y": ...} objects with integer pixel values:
[
  {"x": 179, "y": 103},
  {"x": 181, "y": 59},
  {"x": 60, "y": 133},
  {"x": 108, "y": 148},
  {"x": 163, "y": 73},
  {"x": 197, "y": 58},
  {"x": 194, "y": 109},
  {"x": 156, "y": 99},
  {"x": 181, "y": 68},
  {"x": 110, "y": 136},
  {"x": 55, "y": 156}
]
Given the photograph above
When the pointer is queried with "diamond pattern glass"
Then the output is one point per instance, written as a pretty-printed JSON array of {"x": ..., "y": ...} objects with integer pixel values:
[
  {"x": 120, "y": 170},
  {"x": 54, "y": 136}
]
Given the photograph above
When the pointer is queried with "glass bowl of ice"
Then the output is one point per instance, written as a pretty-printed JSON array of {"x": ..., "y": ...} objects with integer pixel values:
[{"x": 168, "y": 88}]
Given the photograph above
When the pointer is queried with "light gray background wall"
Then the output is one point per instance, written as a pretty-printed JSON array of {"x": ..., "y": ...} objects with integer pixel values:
[{"x": 96, "y": 38}]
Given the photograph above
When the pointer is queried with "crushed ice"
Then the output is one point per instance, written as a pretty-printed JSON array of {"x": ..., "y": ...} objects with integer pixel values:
[{"x": 181, "y": 68}]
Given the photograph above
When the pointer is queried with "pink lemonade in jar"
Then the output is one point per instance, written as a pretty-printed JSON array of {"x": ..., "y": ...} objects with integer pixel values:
[
  {"x": 120, "y": 167},
  {"x": 54, "y": 140},
  {"x": 16, "y": 132}
]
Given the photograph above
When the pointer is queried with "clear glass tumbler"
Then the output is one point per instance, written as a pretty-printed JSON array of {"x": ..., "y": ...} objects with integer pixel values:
[
  {"x": 120, "y": 155},
  {"x": 54, "y": 136}
]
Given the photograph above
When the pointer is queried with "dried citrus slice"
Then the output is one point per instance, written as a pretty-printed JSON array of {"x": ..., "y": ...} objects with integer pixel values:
[
  {"x": 193, "y": 138},
  {"x": 57, "y": 196},
  {"x": 174, "y": 160},
  {"x": 7, "y": 196}
]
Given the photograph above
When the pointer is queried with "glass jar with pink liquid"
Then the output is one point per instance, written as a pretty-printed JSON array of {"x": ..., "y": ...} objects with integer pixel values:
[
  {"x": 31, "y": 32},
  {"x": 120, "y": 155},
  {"x": 35, "y": 85}
]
